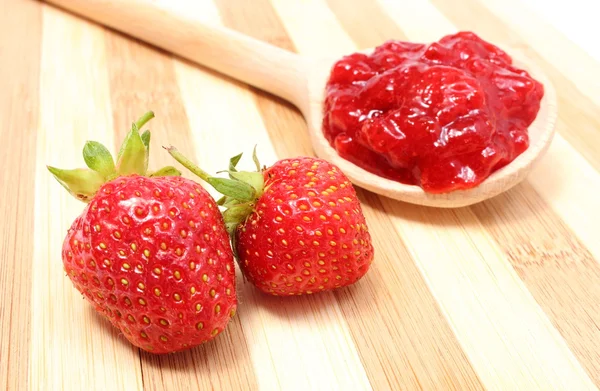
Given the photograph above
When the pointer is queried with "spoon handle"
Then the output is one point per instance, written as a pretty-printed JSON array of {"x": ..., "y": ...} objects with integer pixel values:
[{"x": 267, "y": 67}]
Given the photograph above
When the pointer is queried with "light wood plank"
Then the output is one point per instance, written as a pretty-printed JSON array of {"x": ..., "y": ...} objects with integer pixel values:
[
  {"x": 72, "y": 347},
  {"x": 142, "y": 78},
  {"x": 20, "y": 44}
]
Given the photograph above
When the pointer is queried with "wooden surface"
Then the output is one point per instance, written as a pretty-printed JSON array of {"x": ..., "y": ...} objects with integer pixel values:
[{"x": 502, "y": 295}]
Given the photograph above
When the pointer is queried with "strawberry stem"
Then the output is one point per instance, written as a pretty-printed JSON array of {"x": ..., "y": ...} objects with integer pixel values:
[
  {"x": 187, "y": 163},
  {"x": 144, "y": 119},
  {"x": 240, "y": 190},
  {"x": 255, "y": 159},
  {"x": 235, "y": 188}
]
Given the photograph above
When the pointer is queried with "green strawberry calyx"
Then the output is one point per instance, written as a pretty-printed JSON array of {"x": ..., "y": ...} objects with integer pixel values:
[
  {"x": 240, "y": 191},
  {"x": 83, "y": 183}
]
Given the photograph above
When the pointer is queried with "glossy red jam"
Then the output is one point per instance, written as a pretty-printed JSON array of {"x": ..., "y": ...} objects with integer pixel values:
[{"x": 442, "y": 116}]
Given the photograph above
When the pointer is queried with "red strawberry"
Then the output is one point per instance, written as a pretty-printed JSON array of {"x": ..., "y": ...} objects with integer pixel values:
[
  {"x": 298, "y": 226},
  {"x": 150, "y": 253}
]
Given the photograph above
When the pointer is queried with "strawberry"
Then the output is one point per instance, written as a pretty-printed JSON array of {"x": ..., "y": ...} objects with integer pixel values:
[
  {"x": 150, "y": 250},
  {"x": 297, "y": 226}
]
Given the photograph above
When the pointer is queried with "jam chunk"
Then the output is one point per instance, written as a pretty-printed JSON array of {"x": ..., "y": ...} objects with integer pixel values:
[{"x": 442, "y": 116}]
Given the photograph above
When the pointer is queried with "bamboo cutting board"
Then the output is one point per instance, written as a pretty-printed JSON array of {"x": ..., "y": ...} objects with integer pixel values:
[{"x": 502, "y": 295}]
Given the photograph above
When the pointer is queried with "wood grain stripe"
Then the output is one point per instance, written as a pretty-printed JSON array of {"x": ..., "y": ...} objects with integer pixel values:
[
  {"x": 20, "y": 44},
  {"x": 506, "y": 301},
  {"x": 417, "y": 361},
  {"x": 142, "y": 78},
  {"x": 578, "y": 120},
  {"x": 74, "y": 107}
]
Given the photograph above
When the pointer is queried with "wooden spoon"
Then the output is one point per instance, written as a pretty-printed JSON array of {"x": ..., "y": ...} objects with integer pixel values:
[{"x": 301, "y": 81}]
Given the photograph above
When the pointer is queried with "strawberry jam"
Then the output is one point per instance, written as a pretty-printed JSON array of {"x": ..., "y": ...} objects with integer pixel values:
[{"x": 442, "y": 116}]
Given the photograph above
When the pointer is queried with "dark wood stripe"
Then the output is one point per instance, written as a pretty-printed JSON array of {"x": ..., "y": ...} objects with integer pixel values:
[
  {"x": 428, "y": 358},
  {"x": 578, "y": 120},
  {"x": 141, "y": 79},
  {"x": 20, "y": 52}
]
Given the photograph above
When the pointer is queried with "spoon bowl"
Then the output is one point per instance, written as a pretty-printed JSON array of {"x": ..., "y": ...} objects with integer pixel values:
[
  {"x": 302, "y": 82},
  {"x": 541, "y": 132}
]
